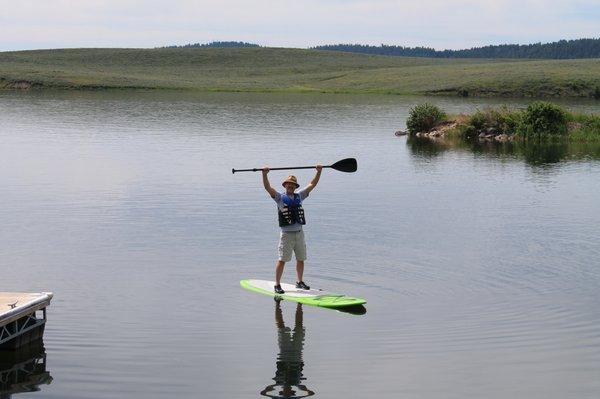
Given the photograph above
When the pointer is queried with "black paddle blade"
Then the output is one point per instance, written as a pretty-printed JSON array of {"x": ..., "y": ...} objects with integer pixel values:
[{"x": 348, "y": 165}]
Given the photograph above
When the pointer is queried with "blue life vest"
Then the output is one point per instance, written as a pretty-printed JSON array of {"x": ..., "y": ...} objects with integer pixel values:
[{"x": 292, "y": 211}]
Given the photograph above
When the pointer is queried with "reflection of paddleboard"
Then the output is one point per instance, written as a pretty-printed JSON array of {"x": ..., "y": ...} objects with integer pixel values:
[{"x": 309, "y": 297}]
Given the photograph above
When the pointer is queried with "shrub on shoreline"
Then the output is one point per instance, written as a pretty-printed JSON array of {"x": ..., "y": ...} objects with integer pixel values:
[
  {"x": 499, "y": 121},
  {"x": 543, "y": 119},
  {"x": 423, "y": 117}
]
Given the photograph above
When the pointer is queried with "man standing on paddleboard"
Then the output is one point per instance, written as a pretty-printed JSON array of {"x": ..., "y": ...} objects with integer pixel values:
[{"x": 291, "y": 219}]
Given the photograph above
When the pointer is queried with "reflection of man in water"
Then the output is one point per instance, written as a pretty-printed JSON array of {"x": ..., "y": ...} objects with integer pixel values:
[{"x": 289, "y": 360}]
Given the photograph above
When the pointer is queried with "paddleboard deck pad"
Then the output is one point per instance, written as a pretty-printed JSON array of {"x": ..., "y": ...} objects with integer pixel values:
[{"x": 313, "y": 297}]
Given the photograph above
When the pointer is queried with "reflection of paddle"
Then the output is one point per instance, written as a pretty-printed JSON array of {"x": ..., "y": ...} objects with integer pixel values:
[{"x": 348, "y": 165}]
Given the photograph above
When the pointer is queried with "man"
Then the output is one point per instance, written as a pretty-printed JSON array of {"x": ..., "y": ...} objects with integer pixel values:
[{"x": 291, "y": 219}]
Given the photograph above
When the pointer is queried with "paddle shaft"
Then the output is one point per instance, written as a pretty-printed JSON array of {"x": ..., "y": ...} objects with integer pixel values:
[{"x": 286, "y": 168}]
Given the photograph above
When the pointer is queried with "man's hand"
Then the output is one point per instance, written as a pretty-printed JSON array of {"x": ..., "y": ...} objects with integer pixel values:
[
  {"x": 266, "y": 183},
  {"x": 315, "y": 179}
]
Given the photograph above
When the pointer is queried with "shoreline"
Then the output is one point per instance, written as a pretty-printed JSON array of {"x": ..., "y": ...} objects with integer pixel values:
[{"x": 27, "y": 86}]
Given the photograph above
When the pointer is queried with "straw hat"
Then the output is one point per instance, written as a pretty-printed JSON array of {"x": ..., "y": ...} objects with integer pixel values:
[{"x": 291, "y": 179}]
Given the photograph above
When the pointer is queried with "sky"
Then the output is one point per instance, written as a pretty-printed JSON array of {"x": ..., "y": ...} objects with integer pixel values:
[{"x": 441, "y": 24}]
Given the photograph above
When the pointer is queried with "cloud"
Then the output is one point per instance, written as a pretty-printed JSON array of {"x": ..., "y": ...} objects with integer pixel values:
[{"x": 436, "y": 23}]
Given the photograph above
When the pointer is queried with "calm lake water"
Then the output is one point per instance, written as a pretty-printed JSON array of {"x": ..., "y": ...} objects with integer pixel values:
[{"x": 481, "y": 269}]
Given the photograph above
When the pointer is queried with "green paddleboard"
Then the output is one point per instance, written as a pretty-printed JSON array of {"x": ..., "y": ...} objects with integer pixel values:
[{"x": 311, "y": 297}]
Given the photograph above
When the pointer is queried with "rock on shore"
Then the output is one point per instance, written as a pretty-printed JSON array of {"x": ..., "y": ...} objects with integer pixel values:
[{"x": 443, "y": 129}]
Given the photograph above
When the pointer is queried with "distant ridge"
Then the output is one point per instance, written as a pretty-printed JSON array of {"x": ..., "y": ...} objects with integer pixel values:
[
  {"x": 216, "y": 45},
  {"x": 563, "y": 49}
]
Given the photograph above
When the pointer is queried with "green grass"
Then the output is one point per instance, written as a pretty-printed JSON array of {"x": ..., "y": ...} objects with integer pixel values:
[
  {"x": 295, "y": 70},
  {"x": 585, "y": 127}
]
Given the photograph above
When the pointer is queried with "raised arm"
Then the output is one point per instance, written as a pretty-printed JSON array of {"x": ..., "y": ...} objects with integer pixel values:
[
  {"x": 315, "y": 179},
  {"x": 266, "y": 183}
]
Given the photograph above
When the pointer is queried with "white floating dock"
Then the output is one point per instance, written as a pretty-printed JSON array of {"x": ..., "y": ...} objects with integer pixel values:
[{"x": 22, "y": 317}]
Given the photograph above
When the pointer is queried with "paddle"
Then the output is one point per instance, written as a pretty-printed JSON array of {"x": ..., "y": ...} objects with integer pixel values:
[{"x": 347, "y": 165}]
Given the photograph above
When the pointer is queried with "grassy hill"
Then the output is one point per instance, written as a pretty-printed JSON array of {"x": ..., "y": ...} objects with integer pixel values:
[{"x": 295, "y": 70}]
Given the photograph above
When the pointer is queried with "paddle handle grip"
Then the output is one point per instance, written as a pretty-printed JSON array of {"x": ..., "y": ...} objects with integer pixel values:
[{"x": 286, "y": 168}]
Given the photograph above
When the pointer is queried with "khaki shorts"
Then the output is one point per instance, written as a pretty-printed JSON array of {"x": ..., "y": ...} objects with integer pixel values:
[{"x": 292, "y": 242}]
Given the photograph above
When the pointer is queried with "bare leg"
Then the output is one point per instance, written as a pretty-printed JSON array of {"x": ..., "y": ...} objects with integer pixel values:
[
  {"x": 279, "y": 271},
  {"x": 300, "y": 269}
]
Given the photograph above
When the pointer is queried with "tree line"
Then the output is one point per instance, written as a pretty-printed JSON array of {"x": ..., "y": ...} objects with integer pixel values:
[
  {"x": 216, "y": 45},
  {"x": 563, "y": 49}
]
